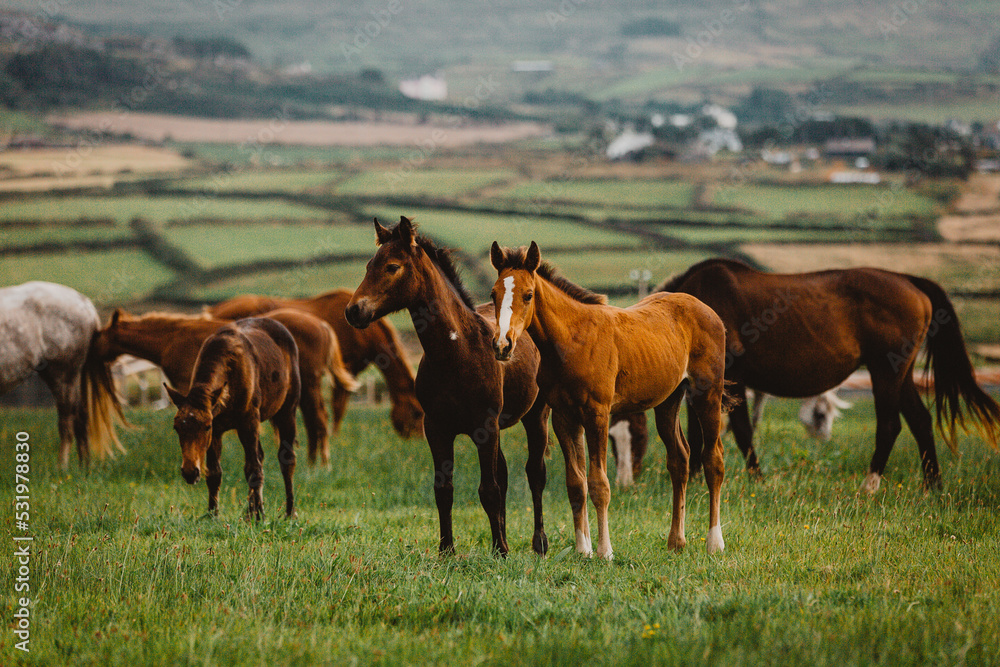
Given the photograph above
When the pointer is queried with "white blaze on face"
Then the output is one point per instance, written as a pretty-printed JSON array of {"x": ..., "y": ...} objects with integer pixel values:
[{"x": 506, "y": 306}]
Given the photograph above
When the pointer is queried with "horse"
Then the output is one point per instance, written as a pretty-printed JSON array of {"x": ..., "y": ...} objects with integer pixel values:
[
  {"x": 172, "y": 341},
  {"x": 246, "y": 372},
  {"x": 799, "y": 335},
  {"x": 461, "y": 387},
  {"x": 599, "y": 361},
  {"x": 378, "y": 344},
  {"x": 49, "y": 328}
]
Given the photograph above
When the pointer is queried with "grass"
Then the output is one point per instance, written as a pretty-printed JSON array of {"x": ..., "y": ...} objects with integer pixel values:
[
  {"x": 598, "y": 269},
  {"x": 124, "y": 571},
  {"x": 218, "y": 245},
  {"x": 611, "y": 193},
  {"x": 163, "y": 209},
  {"x": 291, "y": 181},
  {"x": 108, "y": 277},
  {"x": 403, "y": 179},
  {"x": 848, "y": 202}
]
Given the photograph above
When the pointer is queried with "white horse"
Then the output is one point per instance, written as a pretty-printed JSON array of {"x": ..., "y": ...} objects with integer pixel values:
[
  {"x": 48, "y": 328},
  {"x": 816, "y": 413}
]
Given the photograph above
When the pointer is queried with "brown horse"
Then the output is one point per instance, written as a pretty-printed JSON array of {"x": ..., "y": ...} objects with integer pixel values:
[
  {"x": 461, "y": 387},
  {"x": 378, "y": 344},
  {"x": 172, "y": 341},
  {"x": 598, "y": 360},
  {"x": 246, "y": 372},
  {"x": 798, "y": 335}
]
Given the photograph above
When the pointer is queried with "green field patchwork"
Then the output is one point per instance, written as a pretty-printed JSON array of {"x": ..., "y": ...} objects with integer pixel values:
[
  {"x": 108, "y": 277},
  {"x": 860, "y": 203},
  {"x": 436, "y": 183},
  {"x": 609, "y": 193},
  {"x": 290, "y": 181},
  {"x": 606, "y": 269}
]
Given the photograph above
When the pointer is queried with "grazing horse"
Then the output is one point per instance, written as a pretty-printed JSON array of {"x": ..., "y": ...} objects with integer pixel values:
[
  {"x": 598, "y": 360},
  {"x": 799, "y": 335},
  {"x": 247, "y": 372},
  {"x": 49, "y": 328},
  {"x": 461, "y": 387},
  {"x": 378, "y": 344},
  {"x": 172, "y": 341}
]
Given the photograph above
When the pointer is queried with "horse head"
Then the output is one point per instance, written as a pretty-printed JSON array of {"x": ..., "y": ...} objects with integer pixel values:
[
  {"x": 390, "y": 277},
  {"x": 193, "y": 424},
  {"x": 513, "y": 294},
  {"x": 407, "y": 417}
]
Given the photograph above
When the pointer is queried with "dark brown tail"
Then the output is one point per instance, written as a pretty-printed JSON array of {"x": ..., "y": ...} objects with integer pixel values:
[
  {"x": 104, "y": 409},
  {"x": 954, "y": 377}
]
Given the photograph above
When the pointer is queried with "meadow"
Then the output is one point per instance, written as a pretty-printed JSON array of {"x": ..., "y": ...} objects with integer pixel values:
[{"x": 126, "y": 570}]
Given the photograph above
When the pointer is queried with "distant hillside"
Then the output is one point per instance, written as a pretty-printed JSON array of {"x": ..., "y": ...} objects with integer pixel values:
[{"x": 872, "y": 53}]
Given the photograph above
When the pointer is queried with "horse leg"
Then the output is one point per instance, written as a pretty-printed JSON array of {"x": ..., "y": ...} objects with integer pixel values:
[
  {"x": 442, "y": 444},
  {"x": 570, "y": 437},
  {"x": 338, "y": 404},
  {"x": 918, "y": 418},
  {"x": 284, "y": 428},
  {"x": 739, "y": 421},
  {"x": 535, "y": 424},
  {"x": 678, "y": 465},
  {"x": 67, "y": 391},
  {"x": 315, "y": 420},
  {"x": 253, "y": 466},
  {"x": 886, "y": 391},
  {"x": 597, "y": 479},
  {"x": 695, "y": 442},
  {"x": 493, "y": 484},
  {"x": 213, "y": 477},
  {"x": 708, "y": 408}
]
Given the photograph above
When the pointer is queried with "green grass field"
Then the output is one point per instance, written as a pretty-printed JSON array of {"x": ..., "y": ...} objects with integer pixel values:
[
  {"x": 124, "y": 570},
  {"x": 610, "y": 193},
  {"x": 846, "y": 201}
]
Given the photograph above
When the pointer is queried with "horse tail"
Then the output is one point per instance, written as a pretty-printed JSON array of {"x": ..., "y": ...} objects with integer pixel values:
[
  {"x": 342, "y": 377},
  {"x": 104, "y": 408},
  {"x": 954, "y": 377}
]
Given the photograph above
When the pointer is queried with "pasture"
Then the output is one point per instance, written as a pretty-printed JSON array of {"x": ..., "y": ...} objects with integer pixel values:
[{"x": 125, "y": 570}]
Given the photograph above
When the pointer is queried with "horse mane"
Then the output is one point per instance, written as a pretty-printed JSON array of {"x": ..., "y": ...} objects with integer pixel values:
[
  {"x": 674, "y": 282},
  {"x": 171, "y": 316},
  {"x": 442, "y": 259},
  {"x": 515, "y": 259},
  {"x": 221, "y": 351}
]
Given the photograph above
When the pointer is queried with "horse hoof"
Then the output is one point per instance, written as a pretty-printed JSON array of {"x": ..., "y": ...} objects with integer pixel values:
[
  {"x": 871, "y": 484},
  {"x": 714, "y": 543},
  {"x": 540, "y": 543}
]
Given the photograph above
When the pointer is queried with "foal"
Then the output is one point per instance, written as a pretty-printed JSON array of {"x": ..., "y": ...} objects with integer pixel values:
[
  {"x": 598, "y": 360},
  {"x": 247, "y": 372},
  {"x": 461, "y": 387}
]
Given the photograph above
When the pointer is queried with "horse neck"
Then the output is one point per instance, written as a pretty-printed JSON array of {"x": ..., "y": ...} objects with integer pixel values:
[
  {"x": 556, "y": 317},
  {"x": 214, "y": 372},
  {"x": 144, "y": 338},
  {"x": 438, "y": 312}
]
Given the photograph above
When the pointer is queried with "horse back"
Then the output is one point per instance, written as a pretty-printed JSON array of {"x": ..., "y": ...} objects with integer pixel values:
[{"x": 273, "y": 353}]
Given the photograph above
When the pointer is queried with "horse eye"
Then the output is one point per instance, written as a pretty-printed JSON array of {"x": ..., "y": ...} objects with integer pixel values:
[
  {"x": 392, "y": 268},
  {"x": 527, "y": 296}
]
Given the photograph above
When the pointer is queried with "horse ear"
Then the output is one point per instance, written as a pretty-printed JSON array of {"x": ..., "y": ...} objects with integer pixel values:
[
  {"x": 175, "y": 396},
  {"x": 213, "y": 398},
  {"x": 115, "y": 316},
  {"x": 533, "y": 258},
  {"x": 381, "y": 233},
  {"x": 497, "y": 256},
  {"x": 406, "y": 231}
]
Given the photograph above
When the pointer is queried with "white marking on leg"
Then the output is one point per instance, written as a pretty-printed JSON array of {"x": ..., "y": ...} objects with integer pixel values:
[
  {"x": 623, "y": 445},
  {"x": 871, "y": 483},
  {"x": 583, "y": 545},
  {"x": 506, "y": 306},
  {"x": 714, "y": 542}
]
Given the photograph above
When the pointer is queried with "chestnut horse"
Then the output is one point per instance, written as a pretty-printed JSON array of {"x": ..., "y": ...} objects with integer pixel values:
[
  {"x": 598, "y": 360},
  {"x": 798, "y": 335},
  {"x": 172, "y": 341},
  {"x": 378, "y": 344},
  {"x": 461, "y": 387},
  {"x": 246, "y": 372},
  {"x": 50, "y": 329}
]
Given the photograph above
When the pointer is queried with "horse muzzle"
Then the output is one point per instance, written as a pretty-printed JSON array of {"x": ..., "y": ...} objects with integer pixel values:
[
  {"x": 191, "y": 475},
  {"x": 357, "y": 317},
  {"x": 502, "y": 349}
]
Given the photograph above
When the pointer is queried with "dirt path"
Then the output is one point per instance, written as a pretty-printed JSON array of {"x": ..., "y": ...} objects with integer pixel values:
[{"x": 977, "y": 211}]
